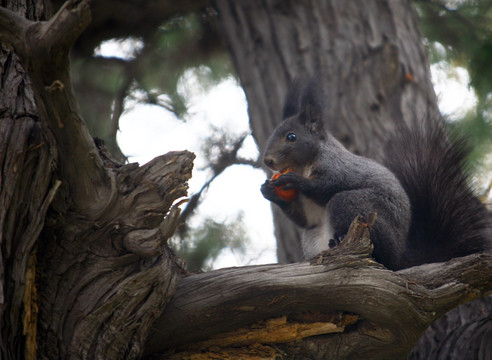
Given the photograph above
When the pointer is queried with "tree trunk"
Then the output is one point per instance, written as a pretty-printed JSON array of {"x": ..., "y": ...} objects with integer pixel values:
[{"x": 84, "y": 259}]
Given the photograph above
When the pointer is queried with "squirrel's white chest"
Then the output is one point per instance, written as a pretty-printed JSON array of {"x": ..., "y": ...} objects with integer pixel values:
[{"x": 319, "y": 231}]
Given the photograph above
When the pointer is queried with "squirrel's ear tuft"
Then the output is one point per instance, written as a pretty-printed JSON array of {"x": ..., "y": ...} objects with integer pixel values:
[
  {"x": 292, "y": 104},
  {"x": 312, "y": 106}
]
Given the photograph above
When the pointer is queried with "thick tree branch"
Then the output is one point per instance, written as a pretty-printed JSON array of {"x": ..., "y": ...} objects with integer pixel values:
[{"x": 397, "y": 306}]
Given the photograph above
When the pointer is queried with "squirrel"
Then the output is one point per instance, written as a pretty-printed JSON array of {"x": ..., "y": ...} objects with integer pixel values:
[{"x": 426, "y": 210}]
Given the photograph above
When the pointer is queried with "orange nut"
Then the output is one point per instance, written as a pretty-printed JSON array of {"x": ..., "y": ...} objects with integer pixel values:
[{"x": 285, "y": 194}]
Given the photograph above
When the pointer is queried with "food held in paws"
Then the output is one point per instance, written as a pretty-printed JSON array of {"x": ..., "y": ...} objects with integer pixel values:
[{"x": 284, "y": 194}]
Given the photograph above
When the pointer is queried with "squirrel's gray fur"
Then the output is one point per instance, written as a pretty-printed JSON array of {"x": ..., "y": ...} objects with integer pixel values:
[{"x": 335, "y": 185}]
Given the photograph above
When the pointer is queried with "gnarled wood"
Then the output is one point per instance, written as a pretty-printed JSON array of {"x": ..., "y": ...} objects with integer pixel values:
[
  {"x": 394, "y": 308},
  {"x": 103, "y": 281}
]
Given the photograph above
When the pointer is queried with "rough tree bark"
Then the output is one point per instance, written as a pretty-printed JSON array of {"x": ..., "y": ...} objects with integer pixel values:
[{"x": 26, "y": 158}]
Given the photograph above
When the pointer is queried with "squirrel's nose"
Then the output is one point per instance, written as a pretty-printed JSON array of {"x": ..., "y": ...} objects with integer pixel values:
[{"x": 269, "y": 162}]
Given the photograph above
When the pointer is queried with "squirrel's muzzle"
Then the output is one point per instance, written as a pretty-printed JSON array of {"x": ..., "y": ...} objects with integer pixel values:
[{"x": 270, "y": 162}]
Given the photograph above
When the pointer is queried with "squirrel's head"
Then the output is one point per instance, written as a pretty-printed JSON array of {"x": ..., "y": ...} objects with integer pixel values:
[{"x": 295, "y": 142}]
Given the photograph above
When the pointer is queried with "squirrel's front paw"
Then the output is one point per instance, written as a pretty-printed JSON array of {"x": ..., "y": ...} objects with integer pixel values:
[
  {"x": 334, "y": 242},
  {"x": 268, "y": 191},
  {"x": 275, "y": 194},
  {"x": 286, "y": 181}
]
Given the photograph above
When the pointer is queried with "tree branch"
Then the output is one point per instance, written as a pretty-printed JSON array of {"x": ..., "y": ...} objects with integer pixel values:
[
  {"x": 397, "y": 306},
  {"x": 13, "y": 29}
]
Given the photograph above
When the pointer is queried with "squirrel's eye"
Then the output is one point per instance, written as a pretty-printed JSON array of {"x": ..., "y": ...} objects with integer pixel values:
[{"x": 291, "y": 137}]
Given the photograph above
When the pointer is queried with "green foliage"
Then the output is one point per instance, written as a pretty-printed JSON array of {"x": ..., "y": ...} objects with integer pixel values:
[
  {"x": 480, "y": 68},
  {"x": 460, "y": 33},
  {"x": 205, "y": 243},
  {"x": 97, "y": 85}
]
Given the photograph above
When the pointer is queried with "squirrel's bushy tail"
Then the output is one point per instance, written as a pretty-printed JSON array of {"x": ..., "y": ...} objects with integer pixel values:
[{"x": 448, "y": 220}]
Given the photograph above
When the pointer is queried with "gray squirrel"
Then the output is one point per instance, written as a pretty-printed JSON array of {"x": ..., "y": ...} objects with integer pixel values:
[{"x": 426, "y": 210}]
